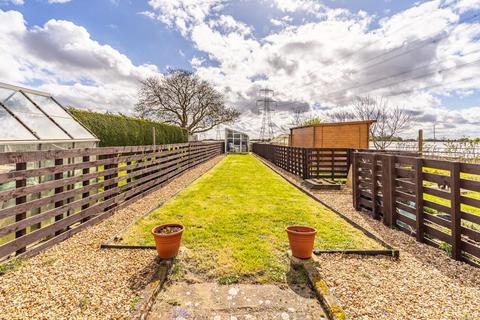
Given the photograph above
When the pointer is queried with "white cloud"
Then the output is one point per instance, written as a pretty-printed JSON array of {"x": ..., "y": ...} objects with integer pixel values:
[
  {"x": 68, "y": 63},
  {"x": 317, "y": 61},
  {"x": 299, "y": 5},
  {"x": 148, "y": 14},
  {"x": 184, "y": 14}
]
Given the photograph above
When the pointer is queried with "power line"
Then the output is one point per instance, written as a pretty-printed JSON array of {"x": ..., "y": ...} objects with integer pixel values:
[
  {"x": 310, "y": 73},
  {"x": 398, "y": 93},
  {"x": 392, "y": 76},
  {"x": 398, "y": 48}
]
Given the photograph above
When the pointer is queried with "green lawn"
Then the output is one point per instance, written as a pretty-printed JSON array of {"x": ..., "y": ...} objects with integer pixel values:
[{"x": 235, "y": 216}]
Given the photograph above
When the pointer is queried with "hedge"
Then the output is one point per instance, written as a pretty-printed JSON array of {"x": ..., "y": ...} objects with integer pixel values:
[{"x": 120, "y": 130}]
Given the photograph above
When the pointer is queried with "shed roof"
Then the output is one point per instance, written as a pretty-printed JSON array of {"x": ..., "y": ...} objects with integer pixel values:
[
  {"x": 328, "y": 124},
  {"x": 34, "y": 116}
]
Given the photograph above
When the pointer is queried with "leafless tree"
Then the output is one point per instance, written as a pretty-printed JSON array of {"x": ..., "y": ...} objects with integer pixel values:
[
  {"x": 389, "y": 121},
  {"x": 297, "y": 117},
  {"x": 182, "y": 98}
]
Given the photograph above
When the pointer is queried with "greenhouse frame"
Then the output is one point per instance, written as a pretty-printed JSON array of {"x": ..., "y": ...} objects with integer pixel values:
[
  {"x": 236, "y": 141},
  {"x": 34, "y": 120}
]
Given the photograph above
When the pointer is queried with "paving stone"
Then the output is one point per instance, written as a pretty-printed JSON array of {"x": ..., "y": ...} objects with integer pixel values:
[{"x": 241, "y": 301}]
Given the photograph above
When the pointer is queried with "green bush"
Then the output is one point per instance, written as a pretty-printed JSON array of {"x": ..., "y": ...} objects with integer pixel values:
[{"x": 120, "y": 130}]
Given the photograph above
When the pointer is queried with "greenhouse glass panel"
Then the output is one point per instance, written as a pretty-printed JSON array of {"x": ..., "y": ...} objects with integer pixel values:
[
  {"x": 73, "y": 128},
  {"x": 60, "y": 116},
  {"x": 33, "y": 118},
  {"x": 49, "y": 106},
  {"x": 11, "y": 129},
  {"x": 5, "y": 93}
]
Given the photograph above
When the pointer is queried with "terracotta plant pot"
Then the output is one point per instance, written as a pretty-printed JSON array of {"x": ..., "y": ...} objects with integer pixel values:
[
  {"x": 301, "y": 241},
  {"x": 166, "y": 241}
]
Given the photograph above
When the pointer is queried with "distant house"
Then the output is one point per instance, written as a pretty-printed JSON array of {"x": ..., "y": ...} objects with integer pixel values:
[
  {"x": 353, "y": 134},
  {"x": 236, "y": 141},
  {"x": 282, "y": 140}
]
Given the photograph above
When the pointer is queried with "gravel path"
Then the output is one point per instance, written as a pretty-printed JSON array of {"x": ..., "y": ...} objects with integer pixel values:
[
  {"x": 423, "y": 284},
  {"x": 77, "y": 280}
]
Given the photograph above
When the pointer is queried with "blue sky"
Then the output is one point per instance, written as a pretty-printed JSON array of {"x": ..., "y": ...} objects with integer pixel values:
[{"x": 93, "y": 54}]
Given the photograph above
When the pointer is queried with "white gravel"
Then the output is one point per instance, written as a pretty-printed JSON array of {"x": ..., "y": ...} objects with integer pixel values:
[{"x": 77, "y": 280}]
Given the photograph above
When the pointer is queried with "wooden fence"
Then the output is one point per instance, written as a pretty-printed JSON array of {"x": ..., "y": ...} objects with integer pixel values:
[
  {"x": 47, "y": 196},
  {"x": 436, "y": 201},
  {"x": 328, "y": 163}
]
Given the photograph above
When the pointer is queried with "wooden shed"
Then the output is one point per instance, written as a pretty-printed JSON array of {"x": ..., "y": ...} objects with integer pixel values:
[{"x": 353, "y": 134}]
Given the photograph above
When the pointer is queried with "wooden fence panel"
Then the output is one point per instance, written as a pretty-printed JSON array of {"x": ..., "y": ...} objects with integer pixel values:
[
  {"x": 72, "y": 189},
  {"x": 326, "y": 163},
  {"x": 437, "y": 201}
]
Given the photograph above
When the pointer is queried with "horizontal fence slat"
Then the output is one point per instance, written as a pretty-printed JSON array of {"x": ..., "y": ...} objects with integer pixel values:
[
  {"x": 471, "y": 248},
  {"x": 436, "y": 178},
  {"x": 471, "y": 217},
  {"x": 436, "y": 192},
  {"x": 438, "y": 220},
  {"x": 437, "y": 233},
  {"x": 471, "y": 185},
  {"x": 436, "y": 206}
]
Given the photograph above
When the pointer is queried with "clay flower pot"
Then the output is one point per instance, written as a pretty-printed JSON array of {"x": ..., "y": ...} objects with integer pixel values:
[
  {"x": 301, "y": 241},
  {"x": 167, "y": 239}
]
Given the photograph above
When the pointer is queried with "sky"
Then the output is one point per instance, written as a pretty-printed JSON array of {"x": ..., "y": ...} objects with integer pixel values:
[{"x": 317, "y": 56}]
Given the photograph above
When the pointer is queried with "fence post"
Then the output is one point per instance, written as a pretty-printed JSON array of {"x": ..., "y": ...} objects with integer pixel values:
[
  {"x": 455, "y": 211},
  {"x": 374, "y": 186},
  {"x": 84, "y": 184},
  {"x": 332, "y": 165},
  {"x": 58, "y": 176},
  {"x": 108, "y": 177},
  {"x": 419, "y": 199},
  {"x": 274, "y": 157},
  {"x": 355, "y": 182},
  {"x": 21, "y": 216},
  {"x": 305, "y": 163},
  {"x": 388, "y": 175}
]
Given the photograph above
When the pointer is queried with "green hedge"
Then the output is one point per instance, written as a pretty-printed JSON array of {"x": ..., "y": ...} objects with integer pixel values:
[{"x": 119, "y": 130}]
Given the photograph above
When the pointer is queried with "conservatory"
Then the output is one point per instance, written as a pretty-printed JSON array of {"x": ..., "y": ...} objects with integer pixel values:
[
  {"x": 236, "y": 141},
  {"x": 32, "y": 120}
]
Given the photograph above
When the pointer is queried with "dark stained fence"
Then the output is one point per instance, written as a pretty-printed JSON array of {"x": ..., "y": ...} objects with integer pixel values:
[
  {"x": 307, "y": 163},
  {"x": 436, "y": 201},
  {"x": 47, "y": 196}
]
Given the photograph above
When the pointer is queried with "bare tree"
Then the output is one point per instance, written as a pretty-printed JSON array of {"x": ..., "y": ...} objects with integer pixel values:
[
  {"x": 389, "y": 121},
  {"x": 182, "y": 98},
  {"x": 298, "y": 117}
]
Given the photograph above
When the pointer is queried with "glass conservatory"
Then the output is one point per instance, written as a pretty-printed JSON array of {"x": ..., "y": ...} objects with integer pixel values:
[
  {"x": 33, "y": 120},
  {"x": 236, "y": 141}
]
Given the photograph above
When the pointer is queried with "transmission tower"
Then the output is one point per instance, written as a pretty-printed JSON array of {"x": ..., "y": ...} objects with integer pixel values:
[{"x": 265, "y": 105}]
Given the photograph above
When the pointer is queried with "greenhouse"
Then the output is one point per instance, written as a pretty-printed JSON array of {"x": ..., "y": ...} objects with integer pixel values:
[
  {"x": 34, "y": 120},
  {"x": 236, "y": 141}
]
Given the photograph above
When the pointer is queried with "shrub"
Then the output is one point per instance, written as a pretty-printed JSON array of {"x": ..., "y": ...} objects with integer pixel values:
[{"x": 120, "y": 130}]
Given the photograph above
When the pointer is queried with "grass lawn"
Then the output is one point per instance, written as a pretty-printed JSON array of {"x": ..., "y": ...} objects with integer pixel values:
[{"x": 235, "y": 216}]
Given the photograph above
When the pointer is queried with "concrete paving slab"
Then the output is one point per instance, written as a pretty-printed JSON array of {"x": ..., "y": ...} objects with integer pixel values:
[{"x": 183, "y": 300}]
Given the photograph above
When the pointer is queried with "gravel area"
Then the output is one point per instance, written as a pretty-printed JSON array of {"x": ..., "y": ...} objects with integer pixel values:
[
  {"x": 77, "y": 280},
  {"x": 423, "y": 284}
]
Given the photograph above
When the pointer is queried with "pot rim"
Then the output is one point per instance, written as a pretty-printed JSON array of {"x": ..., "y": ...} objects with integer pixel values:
[
  {"x": 309, "y": 232},
  {"x": 168, "y": 225}
]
